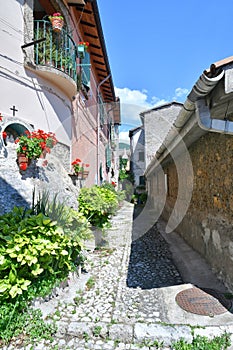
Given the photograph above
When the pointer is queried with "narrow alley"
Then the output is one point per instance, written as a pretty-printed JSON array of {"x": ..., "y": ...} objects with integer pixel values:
[{"x": 126, "y": 297}]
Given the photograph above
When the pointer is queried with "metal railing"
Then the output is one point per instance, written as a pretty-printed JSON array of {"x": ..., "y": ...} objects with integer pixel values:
[{"x": 58, "y": 50}]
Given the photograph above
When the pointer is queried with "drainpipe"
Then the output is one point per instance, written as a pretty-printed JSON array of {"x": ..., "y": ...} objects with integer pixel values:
[
  {"x": 206, "y": 122},
  {"x": 98, "y": 128},
  {"x": 201, "y": 88}
]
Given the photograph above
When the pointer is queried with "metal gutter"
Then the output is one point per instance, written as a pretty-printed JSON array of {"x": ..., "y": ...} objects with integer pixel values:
[{"x": 204, "y": 85}]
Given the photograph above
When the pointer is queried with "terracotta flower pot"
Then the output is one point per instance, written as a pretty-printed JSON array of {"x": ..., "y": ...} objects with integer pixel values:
[
  {"x": 22, "y": 158},
  {"x": 23, "y": 161},
  {"x": 43, "y": 154},
  {"x": 57, "y": 24},
  {"x": 85, "y": 174},
  {"x": 82, "y": 175},
  {"x": 23, "y": 166}
]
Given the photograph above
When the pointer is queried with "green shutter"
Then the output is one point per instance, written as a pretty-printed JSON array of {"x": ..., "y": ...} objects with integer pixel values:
[{"x": 86, "y": 71}]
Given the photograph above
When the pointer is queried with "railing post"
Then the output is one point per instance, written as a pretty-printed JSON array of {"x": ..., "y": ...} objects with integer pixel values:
[{"x": 58, "y": 48}]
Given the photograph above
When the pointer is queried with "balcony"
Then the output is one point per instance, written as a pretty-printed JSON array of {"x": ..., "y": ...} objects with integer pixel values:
[{"x": 55, "y": 57}]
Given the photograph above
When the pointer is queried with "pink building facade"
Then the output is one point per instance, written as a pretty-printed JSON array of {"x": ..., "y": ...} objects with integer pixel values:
[{"x": 54, "y": 86}]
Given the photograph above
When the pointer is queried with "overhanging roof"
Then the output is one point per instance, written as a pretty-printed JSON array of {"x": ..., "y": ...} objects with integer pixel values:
[
  {"x": 164, "y": 105},
  {"x": 90, "y": 26}
]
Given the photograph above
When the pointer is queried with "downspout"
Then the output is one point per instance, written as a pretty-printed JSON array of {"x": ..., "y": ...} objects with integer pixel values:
[{"x": 98, "y": 128}]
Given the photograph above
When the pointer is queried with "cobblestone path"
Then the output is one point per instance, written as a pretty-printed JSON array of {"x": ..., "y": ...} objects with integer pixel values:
[{"x": 118, "y": 304}]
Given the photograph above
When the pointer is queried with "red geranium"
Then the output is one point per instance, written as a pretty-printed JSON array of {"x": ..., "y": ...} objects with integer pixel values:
[
  {"x": 78, "y": 167},
  {"x": 4, "y": 135},
  {"x": 35, "y": 142},
  {"x": 43, "y": 145},
  {"x": 76, "y": 161},
  {"x": 84, "y": 43}
]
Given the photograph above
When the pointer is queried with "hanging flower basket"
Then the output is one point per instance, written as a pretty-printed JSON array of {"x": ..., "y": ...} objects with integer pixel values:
[
  {"x": 82, "y": 47},
  {"x": 57, "y": 22}
]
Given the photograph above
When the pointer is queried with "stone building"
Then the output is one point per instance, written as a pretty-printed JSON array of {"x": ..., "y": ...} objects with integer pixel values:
[
  {"x": 49, "y": 80},
  {"x": 190, "y": 180},
  {"x": 137, "y": 155},
  {"x": 147, "y": 138},
  {"x": 156, "y": 123}
]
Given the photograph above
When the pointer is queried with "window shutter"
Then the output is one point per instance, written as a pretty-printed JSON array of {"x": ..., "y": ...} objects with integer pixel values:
[{"x": 86, "y": 70}]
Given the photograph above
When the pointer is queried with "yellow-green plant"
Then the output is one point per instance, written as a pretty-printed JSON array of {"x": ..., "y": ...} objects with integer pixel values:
[
  {"x": 35, "y": 247},
  {"x": 98, "y": 204}
]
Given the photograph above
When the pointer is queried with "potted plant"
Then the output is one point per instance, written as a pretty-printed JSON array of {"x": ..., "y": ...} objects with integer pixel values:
[
  {"x": 79, "y": 169},
  {"x": 82, "y": 47},
  {"x": 33, "y": 145},
  {"x": 57, "y": 22}
]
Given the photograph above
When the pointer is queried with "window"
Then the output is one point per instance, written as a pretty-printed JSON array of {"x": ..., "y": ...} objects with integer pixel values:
[
  {"x": 141, "y": 157},
  {"x": 142, "y": 180}
]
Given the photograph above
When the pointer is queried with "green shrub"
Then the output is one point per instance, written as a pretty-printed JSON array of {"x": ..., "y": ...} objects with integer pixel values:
[
  {"x": 98, "y": 204},
  {"x": 119, "y": 194},
  {"x": 38, "y": 247},
  {"x": 75, "y": 225},
  {"x": 32, "y": 247}
]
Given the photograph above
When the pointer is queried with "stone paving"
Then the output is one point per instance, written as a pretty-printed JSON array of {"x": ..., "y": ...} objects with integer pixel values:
[{"x": 118, "y": 304}]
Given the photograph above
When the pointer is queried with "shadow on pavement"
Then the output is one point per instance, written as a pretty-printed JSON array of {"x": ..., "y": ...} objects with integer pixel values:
[{"x": 150, "y": 263}]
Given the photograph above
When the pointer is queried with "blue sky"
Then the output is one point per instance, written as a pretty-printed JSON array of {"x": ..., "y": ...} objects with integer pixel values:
[{"x": 158, "y": 49}]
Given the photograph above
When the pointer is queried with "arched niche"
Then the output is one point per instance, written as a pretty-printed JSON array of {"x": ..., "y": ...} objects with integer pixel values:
[{"x": 14, "y": 130}]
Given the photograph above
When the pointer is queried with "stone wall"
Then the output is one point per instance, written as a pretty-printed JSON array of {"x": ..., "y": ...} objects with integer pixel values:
[
  {"x": 16, "y": 188},
  {"x": 207, "y": 225}
]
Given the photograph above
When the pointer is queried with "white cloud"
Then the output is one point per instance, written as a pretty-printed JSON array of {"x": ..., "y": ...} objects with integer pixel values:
[
  {"x": 124, "y": 136},
  {"x": 180, "y": 92},
  {"x": 133, "y": 102}
]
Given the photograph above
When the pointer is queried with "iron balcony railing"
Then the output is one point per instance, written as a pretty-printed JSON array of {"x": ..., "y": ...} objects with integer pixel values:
[{"x": 58, "y": 50}]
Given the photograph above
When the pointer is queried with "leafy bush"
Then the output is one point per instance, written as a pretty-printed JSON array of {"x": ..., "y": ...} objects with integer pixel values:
[
  {"x": 38, "y": 247},
  {"x": 39, "y": 243},
  {"x": 75, "y": 225},
  {"x": 35, "y": 246},
  {"x": 120, "y": 194},
  {"x": 98, "y": 204}
]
